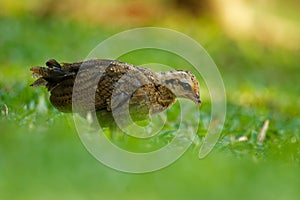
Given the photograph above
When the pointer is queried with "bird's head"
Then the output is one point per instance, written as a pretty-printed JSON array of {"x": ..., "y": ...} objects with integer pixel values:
[{"x": 183, "y": 84}]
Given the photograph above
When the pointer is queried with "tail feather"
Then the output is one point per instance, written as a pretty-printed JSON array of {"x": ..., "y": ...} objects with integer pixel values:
[
  {"x": 49, "y": 76},
  {"x": 39, "y": 82},
  {"x": 53, "y": 63}
]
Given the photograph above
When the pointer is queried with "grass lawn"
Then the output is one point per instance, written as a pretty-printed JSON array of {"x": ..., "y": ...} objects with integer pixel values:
[{"x": 42, "y": 157}]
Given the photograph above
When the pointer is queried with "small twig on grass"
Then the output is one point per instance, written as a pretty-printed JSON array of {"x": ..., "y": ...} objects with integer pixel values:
[
  {"x": 242, "y": 139},
  {"x": 4, "y": 110},
  {"x": 262, "y": 134}
]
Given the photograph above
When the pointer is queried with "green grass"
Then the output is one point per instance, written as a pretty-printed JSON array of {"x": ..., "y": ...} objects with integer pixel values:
[{"x": 41, "y": 155}]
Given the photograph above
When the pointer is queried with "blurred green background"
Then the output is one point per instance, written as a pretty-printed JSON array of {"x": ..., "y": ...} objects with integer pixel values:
[{"x": 256, "y": 46}]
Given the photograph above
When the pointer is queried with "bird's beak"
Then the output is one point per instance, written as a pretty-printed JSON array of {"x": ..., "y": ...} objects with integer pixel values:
[{"x": 195, "y": 98}]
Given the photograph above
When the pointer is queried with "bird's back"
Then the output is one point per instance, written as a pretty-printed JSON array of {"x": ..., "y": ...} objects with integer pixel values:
[{"x": 99, "y": 84}]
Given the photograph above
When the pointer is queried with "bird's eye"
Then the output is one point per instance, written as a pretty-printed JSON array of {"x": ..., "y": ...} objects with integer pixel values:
[{"x": 185, "y": 86}]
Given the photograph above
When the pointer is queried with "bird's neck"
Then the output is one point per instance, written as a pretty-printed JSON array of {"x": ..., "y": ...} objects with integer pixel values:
[
  {"x": 165, "y": 77},
  {"x": 169, "y": 80},
  {"x": 164, "y": 100}
]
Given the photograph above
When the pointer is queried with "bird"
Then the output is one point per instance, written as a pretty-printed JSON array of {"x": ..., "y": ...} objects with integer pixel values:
[{"x": 107, "y": 86}]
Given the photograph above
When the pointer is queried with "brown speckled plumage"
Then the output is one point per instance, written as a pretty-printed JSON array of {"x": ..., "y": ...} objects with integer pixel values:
[{"x": 111, "y": 85}]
